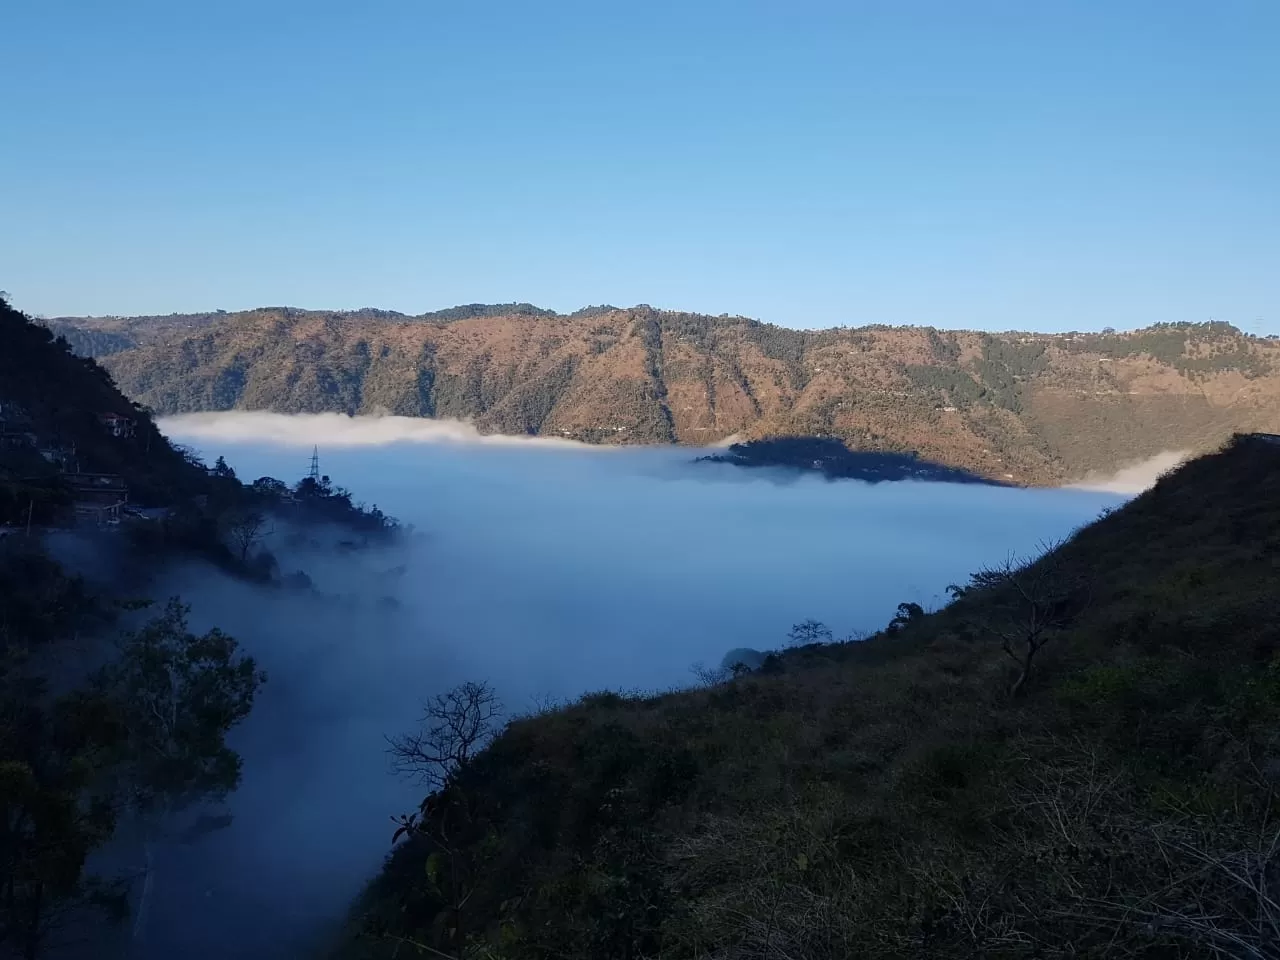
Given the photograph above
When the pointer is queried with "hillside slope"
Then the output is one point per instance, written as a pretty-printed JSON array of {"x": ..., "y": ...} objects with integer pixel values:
[
  {"x": 896, "y": 797},
  {"x": 1032, "y": 408},
  {"x": 113, "y": 722},
  {"x": 54, "y": 401}
]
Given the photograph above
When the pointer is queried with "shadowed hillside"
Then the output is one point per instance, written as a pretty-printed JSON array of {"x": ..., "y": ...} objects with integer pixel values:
[
  {"x": 1076, "y": 757},
  {"x": 1025, "y": 407},
  {"x": 113, "y": 720},
  {"x": 60, "y": 415},
  {"x": 834, "y": 461}
]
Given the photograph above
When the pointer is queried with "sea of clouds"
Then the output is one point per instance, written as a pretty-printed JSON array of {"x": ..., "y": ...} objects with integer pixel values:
[{"x": 545, "y": 567}]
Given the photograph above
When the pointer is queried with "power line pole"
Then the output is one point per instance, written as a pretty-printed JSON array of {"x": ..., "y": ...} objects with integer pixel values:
[{"x": 315, "y": 464}]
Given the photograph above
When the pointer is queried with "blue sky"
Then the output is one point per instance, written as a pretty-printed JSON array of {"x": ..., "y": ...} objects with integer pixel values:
[{"x": 1037, "y": 165}]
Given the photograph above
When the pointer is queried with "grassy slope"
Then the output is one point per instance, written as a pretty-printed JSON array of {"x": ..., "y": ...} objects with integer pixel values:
[
  {"x": 1040, "y": 408},
  {"x": 888, "y": 798}
]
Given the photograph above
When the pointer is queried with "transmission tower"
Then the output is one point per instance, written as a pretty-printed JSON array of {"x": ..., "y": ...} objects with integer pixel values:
[{"x": 315, "y": 464}]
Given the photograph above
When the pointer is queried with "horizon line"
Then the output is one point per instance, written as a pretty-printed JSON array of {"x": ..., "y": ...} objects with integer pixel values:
[{"x": 527, "y": 309}]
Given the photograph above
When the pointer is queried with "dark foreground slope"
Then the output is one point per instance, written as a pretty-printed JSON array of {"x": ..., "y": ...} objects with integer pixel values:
[
  {"x": 114, "y": 719},
  {"x": 894, "y": 797},
  {"x": 53, "y": 405}
]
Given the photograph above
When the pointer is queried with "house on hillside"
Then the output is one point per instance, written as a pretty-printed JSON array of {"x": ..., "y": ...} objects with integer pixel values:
[
  {"x": 17, "y": 437},
  {"x": 15, "y": 426},
  {"x": 97, "y": 497},
  {"x": 61, "y": 456},
  {"x": 116, "y": 425},
  {"x": 147, "y": 513}
]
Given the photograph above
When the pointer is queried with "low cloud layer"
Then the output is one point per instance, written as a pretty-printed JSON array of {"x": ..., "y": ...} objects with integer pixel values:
[
  {"x": 337, "y": 430},
  {"x": 545, "y": 567},
  {"x": 1135, "y": 477}
]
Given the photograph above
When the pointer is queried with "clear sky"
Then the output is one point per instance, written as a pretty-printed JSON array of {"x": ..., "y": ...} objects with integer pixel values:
[{"x": 1038, "y": 164}]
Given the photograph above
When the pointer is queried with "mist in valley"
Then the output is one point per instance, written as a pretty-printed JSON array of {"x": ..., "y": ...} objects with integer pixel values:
[{"x": 548, "y": 569}]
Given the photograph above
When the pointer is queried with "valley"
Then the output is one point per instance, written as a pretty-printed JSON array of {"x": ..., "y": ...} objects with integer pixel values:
[
  {"x": 716, "y": 693},
  {"x": 881, "y": 565}
]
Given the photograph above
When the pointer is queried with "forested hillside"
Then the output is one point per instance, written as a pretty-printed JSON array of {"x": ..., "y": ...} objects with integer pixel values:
[
  {"x": 1027, "y": 407},
  {"x": 1076, "y": 758},
  {"x": 114, "y": 717},
  {"x": 108, "y": 717},
  {"x": 54, "y": 419}
]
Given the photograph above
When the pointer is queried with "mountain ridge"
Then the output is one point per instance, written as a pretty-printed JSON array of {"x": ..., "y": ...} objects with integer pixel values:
[{"x": 1029, "y": 407}]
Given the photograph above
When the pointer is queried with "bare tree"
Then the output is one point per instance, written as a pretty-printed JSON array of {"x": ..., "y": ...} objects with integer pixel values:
[
  {"x": 246, "y": 529},
  {"x": 808, "y": 632},
  {"x": 1036, "y": 600},
  {"x": 454, "y": 727},
  {"x": 541, "y": 704},
  {"x": 1227, "y": 906},
  {"x": 189, "y": 454},
  {"x": 709, "y": 676}
]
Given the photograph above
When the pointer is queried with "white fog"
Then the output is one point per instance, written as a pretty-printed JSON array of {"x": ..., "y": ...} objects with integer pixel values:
[{"x": 546, "y": 568}]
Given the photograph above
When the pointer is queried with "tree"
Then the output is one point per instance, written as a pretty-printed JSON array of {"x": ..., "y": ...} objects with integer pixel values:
[
  {"x": 710, "y": 676},
  {"x": 742, "y": 660},
  {"x": 222, "y": 470},
  {"x": 270, "y": 488},
  {"x": 908, "y": 613},
  {"x": 245, "y": 529},
  {"x": 146, "y": 736},
  {"x": 1034, "y": 601},
  {"x": 309, "y": 488},
  {"x": 53, "y": 749},
  {"x": 53, "y": 809},
  {"x": 178, "y": 694},
  {"x": 454, "y": 726},
  {"x": 808, "y": 632},
  {"x": 189, "y": 454}
]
